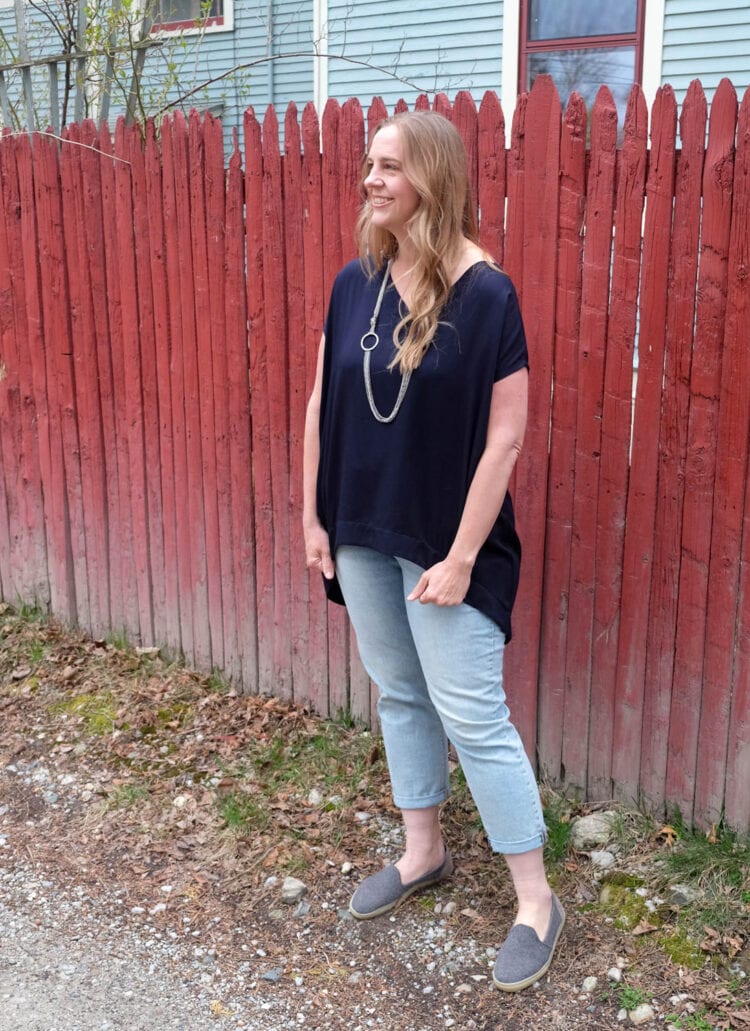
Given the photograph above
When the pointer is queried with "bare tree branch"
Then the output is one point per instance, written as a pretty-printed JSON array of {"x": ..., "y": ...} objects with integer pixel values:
[{"x": 300, "y": 53}]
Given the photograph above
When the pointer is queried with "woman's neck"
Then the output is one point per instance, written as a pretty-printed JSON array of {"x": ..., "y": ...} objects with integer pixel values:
[{"x": 407, "y": 260}]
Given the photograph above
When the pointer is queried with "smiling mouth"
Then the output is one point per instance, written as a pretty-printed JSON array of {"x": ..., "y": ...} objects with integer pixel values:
[{"x": 378, "y": 202}]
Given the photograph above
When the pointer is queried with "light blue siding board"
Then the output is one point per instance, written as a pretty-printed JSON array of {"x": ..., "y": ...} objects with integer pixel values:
[
  {"x": 704, "y": 8},
  {"x": 707, "y": 42},
  {"x": 710, "y": 54},
  {"x": 723, "y": 38},
  {"x": 293, "y": 34}
]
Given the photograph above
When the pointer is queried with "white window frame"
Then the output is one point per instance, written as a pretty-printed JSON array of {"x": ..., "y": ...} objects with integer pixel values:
[
  {"x": 227, "y": 25},
  {"x": 653, "y": 41}
]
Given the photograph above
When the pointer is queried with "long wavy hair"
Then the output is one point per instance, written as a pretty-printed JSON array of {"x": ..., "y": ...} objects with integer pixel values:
[{"x": 435, "y": 163}]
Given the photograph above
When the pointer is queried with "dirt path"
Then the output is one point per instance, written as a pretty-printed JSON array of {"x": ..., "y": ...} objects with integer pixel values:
[{"x": 147, "y": 823}]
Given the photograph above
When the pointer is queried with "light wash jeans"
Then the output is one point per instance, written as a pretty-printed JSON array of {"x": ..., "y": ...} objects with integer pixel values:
[{"x": 439, "y": 670}]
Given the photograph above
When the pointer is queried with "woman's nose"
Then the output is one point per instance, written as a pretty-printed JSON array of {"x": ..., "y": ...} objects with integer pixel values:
[{"x": 372, "y": 177}]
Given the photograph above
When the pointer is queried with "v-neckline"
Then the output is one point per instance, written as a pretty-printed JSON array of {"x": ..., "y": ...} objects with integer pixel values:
[{"x": 466, "y": 271}]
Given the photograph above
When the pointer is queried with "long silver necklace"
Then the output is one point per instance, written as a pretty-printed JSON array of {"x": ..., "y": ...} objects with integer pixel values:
[{"x": 369, "y": 348}]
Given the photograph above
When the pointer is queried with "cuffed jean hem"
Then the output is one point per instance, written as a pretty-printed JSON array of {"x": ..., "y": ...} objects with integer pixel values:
[
  {"x": 402, "y": 802},
  {"x": 516, "y": 848}
]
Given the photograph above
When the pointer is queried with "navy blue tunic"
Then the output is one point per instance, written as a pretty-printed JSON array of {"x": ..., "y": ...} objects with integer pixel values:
[{"x": 400, "y": 488}]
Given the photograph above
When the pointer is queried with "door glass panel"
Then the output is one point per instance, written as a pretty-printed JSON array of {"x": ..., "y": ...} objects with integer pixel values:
[{"x": 563, "y": 19}]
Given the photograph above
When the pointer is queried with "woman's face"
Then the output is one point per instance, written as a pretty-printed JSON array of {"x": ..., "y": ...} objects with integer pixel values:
[{"x": 391, "y": 196}]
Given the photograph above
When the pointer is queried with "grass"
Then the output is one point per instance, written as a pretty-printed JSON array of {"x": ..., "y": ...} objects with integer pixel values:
[
  {"x": 126, "y": 795},
  {"x": 332, "y": 760},
  {"x": 98, "y": 711},
  {"x": 689, "y": 1021},
  {"x": 31, "y": 613},
  {"x": 718, "y": 865},
  {"x": 630, "y": 997},
  {"x": 242, "y": 813},
  {"x": 557, "y": 820},
  {"x": 37, "y": 652}
]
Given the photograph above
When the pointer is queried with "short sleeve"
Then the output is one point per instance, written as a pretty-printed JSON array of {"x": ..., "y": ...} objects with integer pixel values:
[{"x": 512, "y": 354}]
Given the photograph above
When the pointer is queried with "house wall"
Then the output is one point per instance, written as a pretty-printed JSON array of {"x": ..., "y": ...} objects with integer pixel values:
[
  {"x": 706, "y": 41},
  {"x": 450, "y": 47},
  {"x": 263, "y": 33}
]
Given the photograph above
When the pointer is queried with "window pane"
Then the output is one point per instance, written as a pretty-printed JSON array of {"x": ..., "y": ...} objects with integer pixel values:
[
  {"x": 562, "y": 19},
  {"x": 586, "y": 70},
  {"x": 187, "y": 10}
]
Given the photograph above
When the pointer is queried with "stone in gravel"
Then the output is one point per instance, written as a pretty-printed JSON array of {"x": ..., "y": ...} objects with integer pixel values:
[
  {"x": 589, "y": 984},
  {"x": 449, "y": 908},
  {"x": 622, "y": 1014},
  {"x": 292, "y": 890},
  {"x": 344, "y": 914},
  {"x": 586, "y": 832},
  {"x": 683, "y": 895},
  {"x": 602, "y": 860},
  {"x": 315, "y": 797},
  {"x": 272, "y": 975},
  {"x": 614, "y": 974},
  {"x": 303, "y": 908},
  {"x": 642, "y": 1014},
  {"x": 347, "y": 867}
]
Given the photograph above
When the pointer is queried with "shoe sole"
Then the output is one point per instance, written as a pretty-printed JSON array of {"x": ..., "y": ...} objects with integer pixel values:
[
  {"x": 392, "y": 905},
  {"x": 518, "y": 986}
]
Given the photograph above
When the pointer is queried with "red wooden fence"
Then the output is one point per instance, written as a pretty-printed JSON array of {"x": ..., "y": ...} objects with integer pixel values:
[{"x": 160, "y": 310}]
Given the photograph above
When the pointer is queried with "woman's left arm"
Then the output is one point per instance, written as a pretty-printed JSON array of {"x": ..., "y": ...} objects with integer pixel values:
[{"x": 447, "y": 582}]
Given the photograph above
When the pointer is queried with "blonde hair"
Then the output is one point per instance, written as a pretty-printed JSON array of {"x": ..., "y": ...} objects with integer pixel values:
[{"x": 435, "y": 163}]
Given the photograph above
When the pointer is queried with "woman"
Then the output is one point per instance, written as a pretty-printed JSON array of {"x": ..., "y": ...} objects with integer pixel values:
[{"x": 413, "y": 427}]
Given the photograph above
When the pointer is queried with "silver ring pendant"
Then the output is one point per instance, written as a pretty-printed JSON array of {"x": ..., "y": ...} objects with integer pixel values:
[{"x": 368, "y": 349}]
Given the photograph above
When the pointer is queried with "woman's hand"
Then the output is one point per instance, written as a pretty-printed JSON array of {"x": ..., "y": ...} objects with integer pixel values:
[
  {"x": 445, "y": 583},
  {"x": 318, "y": 550}
]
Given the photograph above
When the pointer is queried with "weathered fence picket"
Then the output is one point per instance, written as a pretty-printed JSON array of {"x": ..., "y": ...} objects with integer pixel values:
[{"x": 160, "y": 315}]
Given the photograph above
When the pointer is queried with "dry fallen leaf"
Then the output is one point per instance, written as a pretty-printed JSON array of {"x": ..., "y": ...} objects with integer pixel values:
[
  {"x": 668, "y": 835},
  {"x": 219, "y": 1009},
  {"x": 644, "y": 927}
]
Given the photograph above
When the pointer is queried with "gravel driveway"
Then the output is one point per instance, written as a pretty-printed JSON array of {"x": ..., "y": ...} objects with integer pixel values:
[{"x": 66, "y": 967}]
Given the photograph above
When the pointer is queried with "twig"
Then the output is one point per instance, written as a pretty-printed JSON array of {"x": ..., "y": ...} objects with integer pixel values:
[
  {"x": 301, "y": 53},
  {"x": 62, "y": 139}
]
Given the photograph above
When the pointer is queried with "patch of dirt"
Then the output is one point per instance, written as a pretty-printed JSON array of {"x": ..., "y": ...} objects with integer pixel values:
[{"x": 139, "y": 785}]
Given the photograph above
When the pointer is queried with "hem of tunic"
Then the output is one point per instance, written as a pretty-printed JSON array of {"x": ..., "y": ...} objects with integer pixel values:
[{"x": 389, "y": 542}]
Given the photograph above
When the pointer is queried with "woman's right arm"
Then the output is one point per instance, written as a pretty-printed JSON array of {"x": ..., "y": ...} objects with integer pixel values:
[{"x": 317, "y": 547}]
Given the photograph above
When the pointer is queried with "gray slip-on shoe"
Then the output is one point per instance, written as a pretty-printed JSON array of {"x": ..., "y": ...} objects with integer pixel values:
[
  {"x": 384, "y": 890},
  {"x": 524, "y": 957}
]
